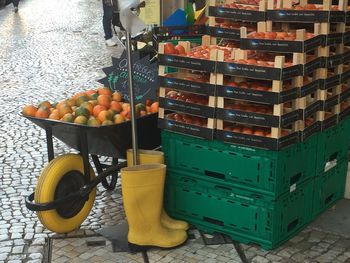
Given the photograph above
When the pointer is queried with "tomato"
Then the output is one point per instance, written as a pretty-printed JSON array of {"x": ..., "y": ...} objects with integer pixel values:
[
  {"x": 180, "y": 50},
  {"x": 259, "y": 132},
  {"x": 169, "y": 49},
  {"x": 247, "y": 130},
  {"x": 237, "y": 129},
  {"x": 232, "y": 84}
]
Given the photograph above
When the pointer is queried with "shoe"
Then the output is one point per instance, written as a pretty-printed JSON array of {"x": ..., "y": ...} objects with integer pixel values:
[
  {"x": 151, "y": 157},
  {"x": 110, "y": 42},
  {"x": 15, "y": 9},
  {"x": 142, "y": 191}
]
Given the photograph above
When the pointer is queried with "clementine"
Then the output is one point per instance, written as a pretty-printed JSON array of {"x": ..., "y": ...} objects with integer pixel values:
[
  {"x": 104, "y": 100},
  {"x": 97, "y": 109},
  {"x": 29, "y": 110}
]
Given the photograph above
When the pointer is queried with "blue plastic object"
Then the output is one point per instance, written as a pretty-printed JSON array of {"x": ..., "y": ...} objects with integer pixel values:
[{"x": 178, "y": 18}]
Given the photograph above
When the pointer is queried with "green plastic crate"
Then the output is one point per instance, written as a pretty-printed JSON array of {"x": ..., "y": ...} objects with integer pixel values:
[
  {"x": 245, "y": 216},
  {"x": 329, "y": 188},
  {"x": 333, "y": 145},
  {"x": 268, "y": 172}
]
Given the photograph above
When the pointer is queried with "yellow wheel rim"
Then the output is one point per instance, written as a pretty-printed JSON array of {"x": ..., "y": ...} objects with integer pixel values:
[{"x": 46, "y": 190}]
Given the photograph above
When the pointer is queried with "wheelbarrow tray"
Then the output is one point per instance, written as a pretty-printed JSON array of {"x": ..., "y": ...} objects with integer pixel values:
[{"x": 109, "y": 140}]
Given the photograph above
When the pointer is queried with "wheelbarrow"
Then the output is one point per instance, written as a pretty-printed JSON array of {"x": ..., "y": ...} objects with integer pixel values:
[{"x": 66, "y": 188}]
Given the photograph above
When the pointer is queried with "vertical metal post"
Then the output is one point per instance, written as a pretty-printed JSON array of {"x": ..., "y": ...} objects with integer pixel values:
[{"x": 132, "y": 99}]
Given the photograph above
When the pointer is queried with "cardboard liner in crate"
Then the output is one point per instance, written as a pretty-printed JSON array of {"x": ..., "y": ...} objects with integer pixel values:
[
  {"x": 282, "y": 45},
  {"x": 335, "y": 60},
  {"x": 313, "y": 65},
  {"x": 257, "y": 95},
  {"x": 312, "y": 109},
  {"x": 343, "y": 114},
  {"x": 185, "y": 107},
  {"x": 233, "y": 34},
  {"x": 187, "y": 85},
  {"x": 330, "y": 102},
  {"x": 305, "y": 16},
  {"x": 330, "y": 82},
  {"x": 252, "y": 71},
  {"x": 237, "y": 14},
  {"x": 310, "y": 88},
  {"x": 186, "y": 62},
  {"x": 187, "y": 129},
  {"x": 257, "y": 141},
  {"x": 310, "y": 130},
  {"x": 334, "y": 39},
  {"x": 258, "y": 119}
]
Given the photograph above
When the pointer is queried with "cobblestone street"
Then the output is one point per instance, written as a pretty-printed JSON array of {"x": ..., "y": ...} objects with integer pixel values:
[{"x": 48, "y": 51}]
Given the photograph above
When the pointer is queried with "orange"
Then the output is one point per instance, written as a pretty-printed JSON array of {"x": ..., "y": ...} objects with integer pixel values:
[
  {"x": 126, "y": 115},
  {"x": 80, "y": 100},
  {"x": 118, "y": 119},
  {"x": 77, "y": 95},
  {"x": 104, "y": 100},
  {"x": 81, "y": 120},
  {"x": 104, "y": 115},
  {"x": 117, "y": 96},
  {"x": 116, "y": 106},
  {"x": 104, "y": 91},
  {"x": 126, "y": 106},
  {"x": 93, "y": 102},
  {"x": 97, "y": 109},
  {"x": 90, "y": 92},
  {"x": 154, "y": 107},
  {"x": 88, "y": 106},
  {"x": 107, "y": 122},
  {"x": 46, "y": 104},
  {"x": 42, "y": 112},
  {"x": 112, "y": 113},
  {"x": 93, "y": 122},
  {"x": 54, "y": 116},
  {"x": 64, "y": 110},
  {"x": 55, "y": 111},
  {"x": 29, "y": 110},
  {"x": 68, "y": 117},
  {"x": 61, "y": 104},
  {"x": 70, "y": 102}
]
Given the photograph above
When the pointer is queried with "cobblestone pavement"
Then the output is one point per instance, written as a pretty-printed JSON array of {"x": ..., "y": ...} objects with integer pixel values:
[{"x": 49, "y": 50}]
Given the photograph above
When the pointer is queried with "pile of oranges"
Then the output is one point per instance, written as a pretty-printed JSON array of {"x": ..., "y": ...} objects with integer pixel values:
[{"x": 92, "y": 108}]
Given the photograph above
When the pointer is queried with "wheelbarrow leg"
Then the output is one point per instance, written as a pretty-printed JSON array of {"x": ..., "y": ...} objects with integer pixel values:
[
  {"x": 84, "y": 152},
  {"x": 49, "y": 143},
  {"x": 113, "y": 177}
]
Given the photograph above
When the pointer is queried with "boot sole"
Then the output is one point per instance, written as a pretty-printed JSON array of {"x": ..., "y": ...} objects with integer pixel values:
[{"x": 140, "y": 248}]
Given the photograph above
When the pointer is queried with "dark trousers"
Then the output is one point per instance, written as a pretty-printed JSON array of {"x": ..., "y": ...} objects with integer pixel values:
[
  {"x": 107, "y": 20},
  {"x": 15, "y": 3}
]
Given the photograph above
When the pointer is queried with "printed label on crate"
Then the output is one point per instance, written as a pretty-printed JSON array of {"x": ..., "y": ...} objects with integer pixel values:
[
  {"x": 309, "y": 88},
  {"x": 331, "y": 102},
  {"x": 345, "y": 95},
  {"x": 347, "y": 17},
  {"x": 312, "y": 109},
  {"x": 291, "y": 117},
  {"x": 305, "y": 16},
  {"x": 310, "y": 130},
  {"x": 312, "y": 65},
  {"x": 334, "y": 39},
  {"x": 186, "y": 62},
  {"x": 345, "y": 76},
  {"x": 281, "y": 46},
  {"x": 257, "y": 141},
  {"x": 237, "y": 14},
  {"x": 185, "y": 107},
  {"x": 329, "y": 122},
  {"x": 345, "y": 113},
  {"x": 228, "y": 33},
  {"x": 248, "y": 117},
  {"x": 187, "y": 129},
  {"x": 335, "y": 60},
  {"x": 187, "y": 85},
  {"x": 258, "y": 72}
]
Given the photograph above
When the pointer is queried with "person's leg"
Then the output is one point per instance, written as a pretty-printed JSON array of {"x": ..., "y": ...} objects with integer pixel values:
[
  {"x": 107, "y": 20},
  {"x": 15, "y": 3}
]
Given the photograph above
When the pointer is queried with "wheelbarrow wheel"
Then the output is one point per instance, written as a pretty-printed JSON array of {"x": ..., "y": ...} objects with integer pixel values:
[
  {"x": 110, "y": 182},
  {"x": 63, "y": 176}
]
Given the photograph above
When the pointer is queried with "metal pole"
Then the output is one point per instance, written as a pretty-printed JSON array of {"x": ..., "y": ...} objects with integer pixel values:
[{"x": 132, "y": 99}]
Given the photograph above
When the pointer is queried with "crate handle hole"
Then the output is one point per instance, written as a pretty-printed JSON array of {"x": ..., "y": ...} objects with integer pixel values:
[
  {"x": 333, "y": 156},
  {"x": 214, "y": 174},
  {"x": 213, "y": 221},
  {"x": 295, "y": 178},
  {"x": 328, "y": 199},
  {"x": 293, "y": 224}
]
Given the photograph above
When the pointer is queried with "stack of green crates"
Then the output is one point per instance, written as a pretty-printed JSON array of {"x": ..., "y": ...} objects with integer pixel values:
[{"x": 254, "y": 195}]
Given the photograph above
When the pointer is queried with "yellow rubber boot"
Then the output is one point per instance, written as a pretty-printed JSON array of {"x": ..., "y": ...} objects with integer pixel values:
[
  {"x": 149, "y": 157},
  {"x": 142, "y": 190}
]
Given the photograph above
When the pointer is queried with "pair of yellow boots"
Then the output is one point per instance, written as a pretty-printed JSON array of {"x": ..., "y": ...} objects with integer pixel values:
[{"x": 142, "y": 189}]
